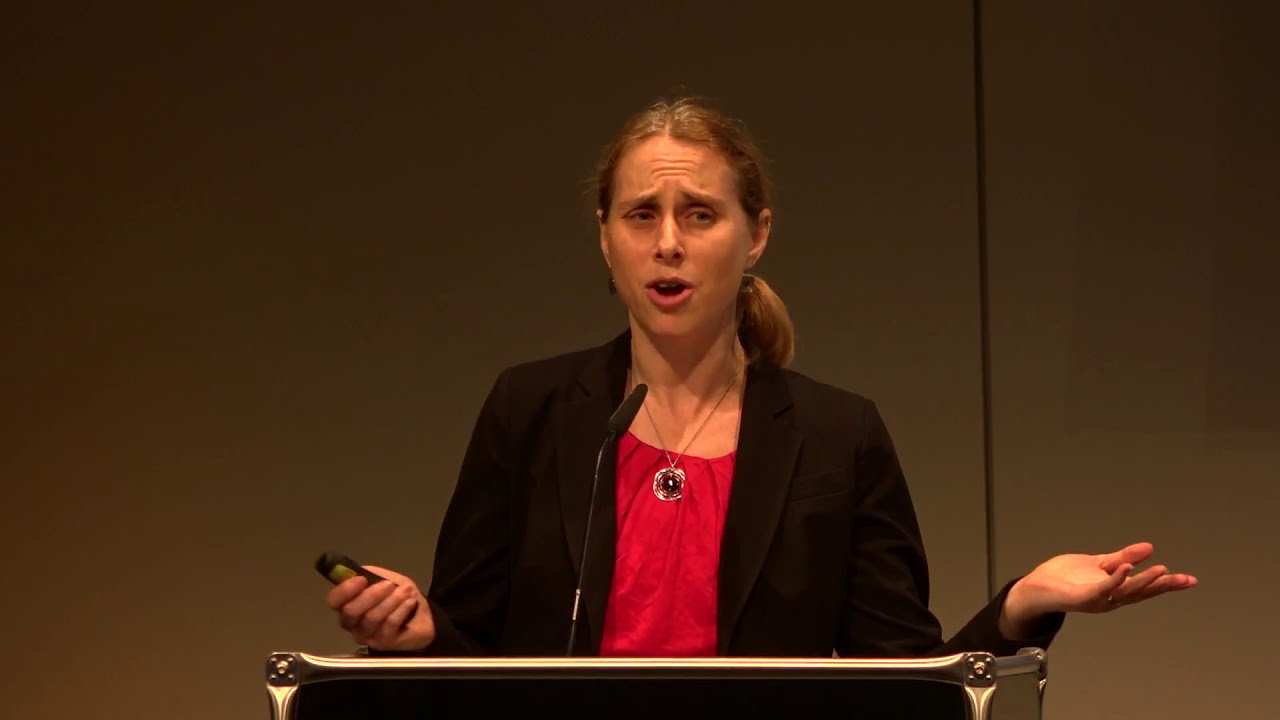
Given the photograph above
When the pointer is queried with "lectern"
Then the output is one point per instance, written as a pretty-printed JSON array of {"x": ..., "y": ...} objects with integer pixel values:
[{"x": 306, "y": 687}]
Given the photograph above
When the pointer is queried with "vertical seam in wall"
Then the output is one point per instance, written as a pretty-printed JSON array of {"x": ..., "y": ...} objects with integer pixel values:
[{"x": 984, "y": 305}]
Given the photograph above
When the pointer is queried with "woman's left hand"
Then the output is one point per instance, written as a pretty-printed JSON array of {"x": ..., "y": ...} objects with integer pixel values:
[{"x": 1086, "y": 583}]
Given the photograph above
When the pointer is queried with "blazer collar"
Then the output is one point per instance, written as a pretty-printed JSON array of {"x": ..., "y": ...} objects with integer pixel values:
[
  {"x": 768, "y": 446},
  {"x": 592, "y": 399}
]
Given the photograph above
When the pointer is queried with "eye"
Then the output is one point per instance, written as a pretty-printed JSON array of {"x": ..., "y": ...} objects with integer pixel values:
[
  {"x": 702, "y": 217},
  {"x": 641, "y": 215}
]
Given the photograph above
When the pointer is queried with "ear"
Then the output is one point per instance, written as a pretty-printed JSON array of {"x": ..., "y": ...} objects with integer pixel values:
[
  {"x": 760, "y": 236},
  {"x": 604, "y": 238}
]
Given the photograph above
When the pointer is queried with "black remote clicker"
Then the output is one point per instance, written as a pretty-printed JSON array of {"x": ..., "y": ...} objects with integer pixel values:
[{"x": 336, "y": 568}]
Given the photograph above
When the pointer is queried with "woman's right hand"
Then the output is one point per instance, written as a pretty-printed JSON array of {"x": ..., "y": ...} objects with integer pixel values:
[{"x": 375, "y": 614}]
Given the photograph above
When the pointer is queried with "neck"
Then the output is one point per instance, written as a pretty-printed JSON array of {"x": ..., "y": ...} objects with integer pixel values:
[{"x": 686, "y": 369}]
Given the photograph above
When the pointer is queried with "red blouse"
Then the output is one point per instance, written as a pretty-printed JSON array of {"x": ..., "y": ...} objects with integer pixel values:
[{"x": 663, "y": 599}]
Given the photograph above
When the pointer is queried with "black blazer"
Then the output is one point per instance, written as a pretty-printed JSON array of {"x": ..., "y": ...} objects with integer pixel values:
[{"x": 821, "y": 551}]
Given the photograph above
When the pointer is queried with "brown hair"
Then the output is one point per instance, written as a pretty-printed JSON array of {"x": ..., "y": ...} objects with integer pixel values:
[{"x": 764, "y": 325}]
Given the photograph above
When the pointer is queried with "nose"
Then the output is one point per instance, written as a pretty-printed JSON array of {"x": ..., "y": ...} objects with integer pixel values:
[{"x": 669, "y": 247}]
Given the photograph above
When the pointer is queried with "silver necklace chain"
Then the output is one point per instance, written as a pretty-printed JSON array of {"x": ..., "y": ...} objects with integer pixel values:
[{"x": 732, "y": 381}]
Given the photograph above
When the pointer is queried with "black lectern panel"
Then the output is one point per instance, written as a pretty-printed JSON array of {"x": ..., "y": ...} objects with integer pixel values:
[{"x": 646, "y": 699}]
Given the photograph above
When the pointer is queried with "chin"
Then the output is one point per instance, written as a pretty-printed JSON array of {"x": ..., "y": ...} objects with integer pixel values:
[{"x": 670, "y": 327}]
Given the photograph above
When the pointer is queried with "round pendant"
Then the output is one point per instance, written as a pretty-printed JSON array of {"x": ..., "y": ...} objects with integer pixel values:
[{"x": 668, "y": 484}]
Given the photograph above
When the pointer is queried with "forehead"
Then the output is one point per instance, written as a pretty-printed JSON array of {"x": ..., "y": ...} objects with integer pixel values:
[{"x": 662, "y": 161}]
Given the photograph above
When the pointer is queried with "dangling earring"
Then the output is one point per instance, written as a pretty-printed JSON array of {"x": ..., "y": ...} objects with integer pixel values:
[
  {"x": 748, "y": 283},
  {"x": 613, "y": 289}
]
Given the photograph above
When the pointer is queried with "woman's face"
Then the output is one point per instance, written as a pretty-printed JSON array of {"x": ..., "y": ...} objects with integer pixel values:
[{"x": 677, "y": 240}]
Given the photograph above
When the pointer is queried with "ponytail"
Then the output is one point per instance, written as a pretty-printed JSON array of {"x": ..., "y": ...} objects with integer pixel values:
[{"x": 764, "y": 325}]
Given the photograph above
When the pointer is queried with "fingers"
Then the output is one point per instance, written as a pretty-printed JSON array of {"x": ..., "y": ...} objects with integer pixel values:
[
  {"x": 1159, "y": 586},
  {"x": 1102, "y": 597},
  {"x": 374, "y": 618},
  {"x": 345, "y": 591},
  {"x": 352, "y": 612},
  {"x": 394, "y": 623},
  {"x": 1108, "y": 587},
  {"x": 1133, "y": 586},
  {"x": 398, "y": 616},
  {"x": 391, "y": 575},
  {"x": 1154, "y": 581},
  {"x": 1132, "y": 555}
]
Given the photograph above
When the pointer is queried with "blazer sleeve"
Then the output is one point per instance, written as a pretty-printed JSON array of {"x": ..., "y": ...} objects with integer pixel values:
[
  {"x": 470, "y": 582},
  {"x": 887, "y": 608}
]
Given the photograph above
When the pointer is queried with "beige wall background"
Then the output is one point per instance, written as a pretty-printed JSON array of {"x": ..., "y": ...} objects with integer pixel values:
[
  {"x": 1132, "y": 186},
  {"x": 260, "y": 265}
]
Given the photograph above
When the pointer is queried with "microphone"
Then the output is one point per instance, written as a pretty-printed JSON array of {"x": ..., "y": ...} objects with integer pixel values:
[
  {"x": 618, "y": 424},
  {"x": 627, "y": 411}
]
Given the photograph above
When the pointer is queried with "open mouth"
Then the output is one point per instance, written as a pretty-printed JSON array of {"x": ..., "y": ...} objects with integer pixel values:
[{"x": 669, "y": 288}]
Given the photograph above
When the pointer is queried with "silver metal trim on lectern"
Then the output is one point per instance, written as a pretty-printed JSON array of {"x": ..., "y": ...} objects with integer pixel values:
[{"x": 976, "y": 672}]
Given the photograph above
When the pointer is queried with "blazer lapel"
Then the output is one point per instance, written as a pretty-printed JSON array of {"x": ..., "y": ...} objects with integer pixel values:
[
  {"x": 582, "y": 427},
  {"x": 767, "y": 450}
]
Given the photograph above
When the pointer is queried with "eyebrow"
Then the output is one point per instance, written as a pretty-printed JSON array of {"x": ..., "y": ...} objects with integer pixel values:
[
  {"x": 700, "y": 199},
  {"x": 649, "y": 198},
  {"x": 638, "y": 201}
]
